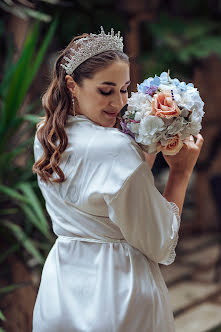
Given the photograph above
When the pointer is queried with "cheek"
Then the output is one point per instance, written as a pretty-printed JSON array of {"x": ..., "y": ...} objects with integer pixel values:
[
  {"x": 125, "y": 98},
  {"x": 101, "y": 100}
]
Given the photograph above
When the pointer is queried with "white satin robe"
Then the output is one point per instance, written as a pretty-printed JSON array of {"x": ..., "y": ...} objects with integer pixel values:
[{"x": 113, "y": 227}]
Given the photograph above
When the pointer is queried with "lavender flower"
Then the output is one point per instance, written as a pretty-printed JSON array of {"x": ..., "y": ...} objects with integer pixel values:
[{"x": 125, "y": 130}]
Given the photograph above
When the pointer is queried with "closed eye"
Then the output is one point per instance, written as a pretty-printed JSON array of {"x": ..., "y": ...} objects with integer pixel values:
[{"x": 110, "y": 92}]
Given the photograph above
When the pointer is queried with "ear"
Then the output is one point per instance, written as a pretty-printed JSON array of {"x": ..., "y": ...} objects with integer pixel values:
[{"x": 71, "y": 85}]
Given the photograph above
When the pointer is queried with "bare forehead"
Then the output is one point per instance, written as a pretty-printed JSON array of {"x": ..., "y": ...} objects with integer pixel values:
[{"x": 116, "y": 74}]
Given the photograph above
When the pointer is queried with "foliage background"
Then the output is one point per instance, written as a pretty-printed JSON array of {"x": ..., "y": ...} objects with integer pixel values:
[{"x": 179, "y": 36}]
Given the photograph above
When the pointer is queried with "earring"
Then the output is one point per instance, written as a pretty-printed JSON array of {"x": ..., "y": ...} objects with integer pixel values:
[{"x": 73, "y": 106}]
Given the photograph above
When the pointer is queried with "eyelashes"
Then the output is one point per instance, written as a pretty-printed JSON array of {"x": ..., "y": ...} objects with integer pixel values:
[{"x": 110, "y": 92}]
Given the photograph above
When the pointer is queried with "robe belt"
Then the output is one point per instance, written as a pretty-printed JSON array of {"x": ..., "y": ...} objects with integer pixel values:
[{"x": 83, "y": 239}]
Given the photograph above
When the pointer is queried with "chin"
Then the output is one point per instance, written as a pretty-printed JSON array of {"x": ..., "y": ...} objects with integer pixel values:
[{"x": 111, "y": 120}]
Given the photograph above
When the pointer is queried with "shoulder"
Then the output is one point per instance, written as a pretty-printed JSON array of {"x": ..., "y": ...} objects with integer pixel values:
[
  {"x": 98, "y": 143},
  {"x": 118, "y": 155},
  {"x": 111, "y": 142}
]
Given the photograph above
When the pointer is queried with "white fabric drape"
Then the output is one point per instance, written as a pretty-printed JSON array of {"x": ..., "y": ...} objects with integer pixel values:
[{"x": 113, "y": 229}]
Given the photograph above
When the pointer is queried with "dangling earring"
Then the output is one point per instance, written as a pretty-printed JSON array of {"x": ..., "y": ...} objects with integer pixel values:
[{"x": 73, "y": 106}]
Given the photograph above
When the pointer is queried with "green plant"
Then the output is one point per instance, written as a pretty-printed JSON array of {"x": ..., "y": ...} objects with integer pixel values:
[
  {"x": 22, "y": 211},
  {"x": 176, "y": 43},
  {"x": 2, "y": 317},
  {"x": 27, "y": 9}
]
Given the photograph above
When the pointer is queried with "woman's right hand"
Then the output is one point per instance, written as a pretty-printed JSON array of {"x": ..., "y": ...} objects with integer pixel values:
[{"x": 185, "y": 160}]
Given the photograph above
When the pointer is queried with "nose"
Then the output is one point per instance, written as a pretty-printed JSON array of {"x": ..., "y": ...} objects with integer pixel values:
[{"x": 117, "y": 101}]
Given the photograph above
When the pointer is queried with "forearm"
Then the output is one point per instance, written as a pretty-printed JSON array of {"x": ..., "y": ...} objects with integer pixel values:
[
  {"x": 150, "y": 158},
  {"x": 175, "y": 189}
]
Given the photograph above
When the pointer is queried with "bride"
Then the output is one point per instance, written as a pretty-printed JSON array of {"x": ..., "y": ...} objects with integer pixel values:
[{"x": 113, "y": 226}]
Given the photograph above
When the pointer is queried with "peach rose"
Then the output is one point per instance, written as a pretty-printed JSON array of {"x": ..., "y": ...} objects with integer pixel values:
[
  {"x": 164, "y": 106},
  {"x": 173, "y": 147}
]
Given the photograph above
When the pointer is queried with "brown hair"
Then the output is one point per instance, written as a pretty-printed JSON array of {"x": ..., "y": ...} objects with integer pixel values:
[{"x": 57, "y": 102}]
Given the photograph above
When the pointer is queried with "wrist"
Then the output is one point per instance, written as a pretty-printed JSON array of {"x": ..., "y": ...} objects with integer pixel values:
[{"x": 181, "y": 174}]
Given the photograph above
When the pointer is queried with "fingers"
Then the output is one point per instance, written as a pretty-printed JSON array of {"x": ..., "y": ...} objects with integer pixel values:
[
  {"x": 188, "y": 140},
  {"x": 199, "y": 140}
]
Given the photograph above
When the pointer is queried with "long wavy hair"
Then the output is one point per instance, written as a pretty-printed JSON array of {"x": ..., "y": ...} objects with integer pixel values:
[{"x": 57, "y": 102}]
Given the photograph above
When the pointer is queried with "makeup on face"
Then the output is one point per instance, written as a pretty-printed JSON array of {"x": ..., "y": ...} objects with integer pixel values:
[{"x": 102, "y": 97}]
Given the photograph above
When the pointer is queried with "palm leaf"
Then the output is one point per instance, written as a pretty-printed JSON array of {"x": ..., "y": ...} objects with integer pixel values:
[
  {"x": 11, "y": 288},
  {"x": 2, "y": 317},
  {"x": 34, "y": 202},
  {"x": 26, "y": 67},
  {"x": 12, "y": 249},
  {"x": 26, "y": 242},
  {"x": 32, "y": 218},
  {"x": 12, "y": 193}
]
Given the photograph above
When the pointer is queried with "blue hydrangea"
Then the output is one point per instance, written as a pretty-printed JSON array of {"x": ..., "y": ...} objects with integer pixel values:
[
  {"x": 164, "y": 78},
  {"x": 183, "y": 86},
  {"x": 150, "y": 85},
  {"x": 151, "y": 82}
]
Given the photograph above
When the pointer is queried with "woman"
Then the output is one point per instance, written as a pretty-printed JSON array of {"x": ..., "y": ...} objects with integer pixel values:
[{"x": 113, "y": 226}]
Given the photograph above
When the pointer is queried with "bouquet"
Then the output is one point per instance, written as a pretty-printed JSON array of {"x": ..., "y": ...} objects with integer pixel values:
[{"x": 162, "y": 114}]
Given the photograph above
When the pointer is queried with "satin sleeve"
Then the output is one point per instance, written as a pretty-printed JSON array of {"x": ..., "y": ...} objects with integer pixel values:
[{"x": 147, "y": 220}]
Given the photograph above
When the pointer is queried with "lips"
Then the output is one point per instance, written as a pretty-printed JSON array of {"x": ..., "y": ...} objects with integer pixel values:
[{"x": 112, "y": 114}]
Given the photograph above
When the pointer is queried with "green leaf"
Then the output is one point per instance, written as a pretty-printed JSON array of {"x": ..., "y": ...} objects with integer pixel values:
[
  {"x": 40, "y": 55},
  {"x": 37, "y": 15},
  {"x": 13, "y": 10},
  {"x": 25, "y": 241},
  {"x": 8, "y": 211},
  {"x": 13, "y": 194},
  {"x": 2, "y": 317},
  {"x": 11, "y": 288},
  {"x": 32, "y": 218},
  {"x": 34, "y": 202},
  {"x": 53, "y": 2},
  {"x": 25, "y": 68},
  {"x": 32, "y": 118},
  {"x": 198, "y": 29},
  {"x": 12, "y": 249},
  {"x": 17, "y": 91}
]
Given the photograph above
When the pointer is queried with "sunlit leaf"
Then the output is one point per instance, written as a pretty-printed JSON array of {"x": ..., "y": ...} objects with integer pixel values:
[
  {"x": 37, "y": 15},
  {"x": 32, "y": 118},
  {"x": 14, "y": 10},
  {"x": 34, "y": 202},
  {"x": 2, "y": 317},
  {"x": 13, "y": 194}
]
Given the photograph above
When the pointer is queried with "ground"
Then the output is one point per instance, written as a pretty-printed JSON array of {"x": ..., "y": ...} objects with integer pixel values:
[{"x": 194, "y": 283}]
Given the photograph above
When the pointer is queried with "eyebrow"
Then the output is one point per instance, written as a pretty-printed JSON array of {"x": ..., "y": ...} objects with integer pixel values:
[{"x": 112, "y": 83}]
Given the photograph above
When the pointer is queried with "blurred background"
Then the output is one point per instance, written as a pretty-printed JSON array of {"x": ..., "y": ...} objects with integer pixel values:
[{"x": 182, "y": 36}]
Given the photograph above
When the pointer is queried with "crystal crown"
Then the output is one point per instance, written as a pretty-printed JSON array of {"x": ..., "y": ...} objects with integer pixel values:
[{"x": 94, "y": 45}]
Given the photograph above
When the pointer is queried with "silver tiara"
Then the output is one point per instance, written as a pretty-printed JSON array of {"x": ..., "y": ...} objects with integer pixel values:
[{"x": 94, "y": 45}]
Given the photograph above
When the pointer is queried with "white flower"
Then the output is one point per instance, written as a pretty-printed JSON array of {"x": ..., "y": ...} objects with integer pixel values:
[
  {"x": 152, "y": 148},
  {"x": 176, "y": 126},
  {"x": 165, "y": 88},
  {"x": 134, "y": 127},
  {"x": 140, "y": 102},
  {"x": 193, "y": 127},
  {"x": 149, "y": 127},
  {"x": 137, "y": 116},
  {"x": 192, "y": 101}
]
